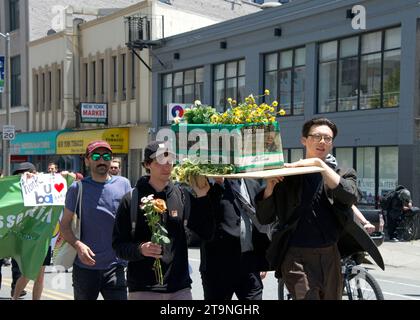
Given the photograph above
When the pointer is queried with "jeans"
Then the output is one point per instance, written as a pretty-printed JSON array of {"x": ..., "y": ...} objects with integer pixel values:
[{"x": 87, "y": 283}]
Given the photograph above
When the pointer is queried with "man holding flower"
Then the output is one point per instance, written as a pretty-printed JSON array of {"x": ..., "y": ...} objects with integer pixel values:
[{"x": 155, "y": 245}]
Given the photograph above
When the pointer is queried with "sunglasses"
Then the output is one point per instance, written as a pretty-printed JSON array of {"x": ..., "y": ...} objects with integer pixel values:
[{"x": 97, "y": 156}]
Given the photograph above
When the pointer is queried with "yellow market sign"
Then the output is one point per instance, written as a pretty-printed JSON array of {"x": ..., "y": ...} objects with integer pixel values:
[{"x": 76, "y": 142}]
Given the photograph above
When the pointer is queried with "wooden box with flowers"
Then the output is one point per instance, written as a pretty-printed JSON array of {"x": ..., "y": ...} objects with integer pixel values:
[{"x": 246, "y": 137}]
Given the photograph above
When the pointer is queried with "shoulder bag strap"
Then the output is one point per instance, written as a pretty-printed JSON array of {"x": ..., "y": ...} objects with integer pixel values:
[
  {"x": 79, "y": 198},
  {"x": 133, "y": 210}
]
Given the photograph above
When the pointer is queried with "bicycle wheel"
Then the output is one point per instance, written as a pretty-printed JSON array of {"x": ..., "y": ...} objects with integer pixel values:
[
  {"x": 283, "y": 293},
  {"x": 409, "y": 231},
  {"x": 363, "y": 285}
]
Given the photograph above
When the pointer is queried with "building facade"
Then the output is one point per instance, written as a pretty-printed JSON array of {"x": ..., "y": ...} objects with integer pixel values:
[
  {"x": 355, "y": 62},
  {"x": 89, "y": 62}
]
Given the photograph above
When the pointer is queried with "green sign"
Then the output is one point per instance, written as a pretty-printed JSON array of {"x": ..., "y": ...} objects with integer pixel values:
[{"x": 25, "y": 232}]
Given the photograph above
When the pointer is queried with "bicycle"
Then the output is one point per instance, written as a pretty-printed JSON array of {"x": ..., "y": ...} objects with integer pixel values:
[
  {"x": 408, "y": 225},
  {"x": 358, "y": 283}
]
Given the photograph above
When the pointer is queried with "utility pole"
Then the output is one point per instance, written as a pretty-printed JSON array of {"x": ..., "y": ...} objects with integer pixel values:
[{"x": 7, "y": 67}]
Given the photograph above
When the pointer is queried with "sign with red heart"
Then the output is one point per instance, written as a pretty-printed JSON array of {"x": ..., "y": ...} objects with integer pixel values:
[
  {"x": 43, "y": 189},
  {"x": 59, "y": 187}
]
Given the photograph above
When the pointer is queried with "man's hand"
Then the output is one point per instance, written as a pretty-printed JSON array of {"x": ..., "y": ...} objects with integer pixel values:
[
  {"x": 369, "y": 227},
  {"x": 270, "y": 184},
  {"x": 200, "y": 186},
  {"x": 150, "y": 249},
  {"x": 85, "y": 254}
]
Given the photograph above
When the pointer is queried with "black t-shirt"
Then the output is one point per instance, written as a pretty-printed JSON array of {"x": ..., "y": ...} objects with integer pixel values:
[{"x": 317, "y": 226}]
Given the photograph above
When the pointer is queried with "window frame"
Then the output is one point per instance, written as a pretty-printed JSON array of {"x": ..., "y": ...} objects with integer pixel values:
[
  {"x": 182, "y": 86},
  {"x": 278, "y": 70},
  {"x": 225, "y": 81},
  {"x": 338, "y": 59}
]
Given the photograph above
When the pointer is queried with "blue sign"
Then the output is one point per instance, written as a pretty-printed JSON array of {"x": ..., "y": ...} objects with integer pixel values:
[
  {"x": 34, "y": 143},
  {"x": 1, "y": 74}
]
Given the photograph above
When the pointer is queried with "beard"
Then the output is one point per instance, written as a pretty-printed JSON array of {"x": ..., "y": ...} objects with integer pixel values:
[{"x": 100, "y": 169}]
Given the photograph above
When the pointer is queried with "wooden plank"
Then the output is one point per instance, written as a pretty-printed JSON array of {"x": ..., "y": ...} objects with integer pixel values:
[{"x": 269, "y": 173}]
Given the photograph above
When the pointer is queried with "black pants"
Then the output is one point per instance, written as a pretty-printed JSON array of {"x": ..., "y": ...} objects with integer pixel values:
[
  {"x": 111, "y": 283},
  {"x": 221, "y": 283},
  {"x": 393, "y": 219},
  {"x": 15, "y": 272}
]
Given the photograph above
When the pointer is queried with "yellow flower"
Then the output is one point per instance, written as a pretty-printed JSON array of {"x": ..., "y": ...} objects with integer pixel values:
[
  {"x": 214, "y": 118},
  {"x": 282, "y": 112},
  {"x": 234, "y": 102},
  {"x": 229, "y": 100},
  {"x": 266, "y": 92},
  {"x": 275, "y": 104}
]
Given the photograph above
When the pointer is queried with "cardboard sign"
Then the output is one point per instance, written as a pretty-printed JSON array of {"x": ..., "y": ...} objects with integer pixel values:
[
  {"x": 283, "y": 172},
  {"x": 43, "y": 189}
]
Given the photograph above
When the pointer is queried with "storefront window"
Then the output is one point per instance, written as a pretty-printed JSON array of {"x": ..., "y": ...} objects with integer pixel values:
[
  {"x": 344, "y": 157},
  {"x": 296, "y": 154},
  {"x": 388, "y": 169},
  {"x": 366, "y": 174}
]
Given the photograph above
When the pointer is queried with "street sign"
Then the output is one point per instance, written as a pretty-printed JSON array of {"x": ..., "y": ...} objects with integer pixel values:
[
  {"x": 9, "y": 132},
  {"x": 1, "y": 74}
]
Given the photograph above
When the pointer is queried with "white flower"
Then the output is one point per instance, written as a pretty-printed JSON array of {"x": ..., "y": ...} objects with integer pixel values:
[
  {"x": 197, "y": 103},
  {"x": 150, "y": 197},
  {"x": 144, "y": 200}
]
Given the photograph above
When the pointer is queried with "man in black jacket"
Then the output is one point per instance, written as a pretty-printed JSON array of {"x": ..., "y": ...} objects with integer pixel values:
[
  {"x": 140, "y": 251},
  {"x": 315, "y": 223},
  {"x": 233, "y": 261}
]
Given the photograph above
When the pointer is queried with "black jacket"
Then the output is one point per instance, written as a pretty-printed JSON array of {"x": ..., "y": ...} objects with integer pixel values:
[
  {"x": 285, "y": 199},
  {"x": 140, "y": 274},
  {"x": 223, "y": 252}
]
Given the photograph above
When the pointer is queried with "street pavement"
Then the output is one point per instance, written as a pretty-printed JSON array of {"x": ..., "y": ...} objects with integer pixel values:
[{"x": 399, "y": 281}]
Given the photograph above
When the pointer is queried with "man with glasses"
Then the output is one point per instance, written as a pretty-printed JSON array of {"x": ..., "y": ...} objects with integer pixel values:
[
  {"x": 115, "y": 169},
  {"x": 96, "y": 269},
  {"x": 313, "y": 213}
]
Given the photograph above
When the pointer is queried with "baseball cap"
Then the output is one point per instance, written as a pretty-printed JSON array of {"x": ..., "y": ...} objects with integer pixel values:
[
  {"x": 157, "y": 148},
  {"x": 24, "y": 167},
  {"x": 97, "y": 144}
]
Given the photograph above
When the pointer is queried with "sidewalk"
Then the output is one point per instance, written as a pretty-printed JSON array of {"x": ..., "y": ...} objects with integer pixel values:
[{"x": 401, "y": 254}]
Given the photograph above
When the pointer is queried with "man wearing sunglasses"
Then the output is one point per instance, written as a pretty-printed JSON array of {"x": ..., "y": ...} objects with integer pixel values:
[{"x": 96, "y": 269}]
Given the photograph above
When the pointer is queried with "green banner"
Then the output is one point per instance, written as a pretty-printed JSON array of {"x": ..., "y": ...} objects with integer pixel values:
[{"x": 25, "y": 232}]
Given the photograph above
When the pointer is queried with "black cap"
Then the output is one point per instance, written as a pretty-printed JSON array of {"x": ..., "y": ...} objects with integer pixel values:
[
  {"x": 24, "y": 167},
  {"x": 157, "y": 148}
]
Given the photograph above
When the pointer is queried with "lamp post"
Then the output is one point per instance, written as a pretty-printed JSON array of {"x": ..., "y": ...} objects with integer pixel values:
[{"x": 6, "y": 143}]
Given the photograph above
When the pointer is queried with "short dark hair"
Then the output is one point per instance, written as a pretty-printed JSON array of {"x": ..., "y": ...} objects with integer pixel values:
[{"x": 318, "y": 122}]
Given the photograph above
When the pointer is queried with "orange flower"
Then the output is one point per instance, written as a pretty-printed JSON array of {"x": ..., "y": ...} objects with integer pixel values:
[{"x": 159, "y": 205}]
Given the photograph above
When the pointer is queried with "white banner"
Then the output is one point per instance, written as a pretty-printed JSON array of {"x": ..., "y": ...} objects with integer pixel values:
[{"x": 43, "y": 189}]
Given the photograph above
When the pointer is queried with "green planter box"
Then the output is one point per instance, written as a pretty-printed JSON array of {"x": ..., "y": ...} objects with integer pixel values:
[{"x": 250, "y": 147}]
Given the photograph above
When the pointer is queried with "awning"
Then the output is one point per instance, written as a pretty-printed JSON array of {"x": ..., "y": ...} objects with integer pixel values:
[
  {"x": 75, "y": 142},
  {"x": 34, "y": 143}
]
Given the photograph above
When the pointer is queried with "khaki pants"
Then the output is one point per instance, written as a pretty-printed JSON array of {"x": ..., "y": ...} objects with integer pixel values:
[
  {"x": 313, "y": 273},
  {"x": 184, "y": 294}
]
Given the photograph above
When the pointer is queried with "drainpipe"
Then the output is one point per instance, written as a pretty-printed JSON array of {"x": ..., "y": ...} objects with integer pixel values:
[{"x": 71, "y": 87}]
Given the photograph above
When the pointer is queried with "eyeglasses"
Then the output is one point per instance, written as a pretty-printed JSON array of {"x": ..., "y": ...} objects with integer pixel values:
[
  {"x": 319, "y": 137},
  {"x": 97, "y": 156}
]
